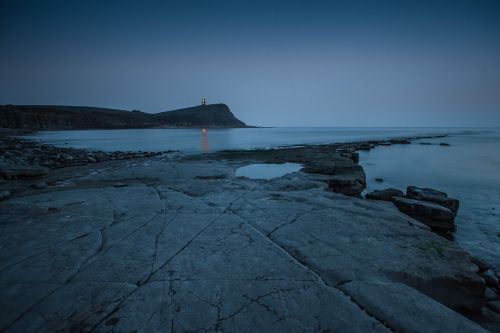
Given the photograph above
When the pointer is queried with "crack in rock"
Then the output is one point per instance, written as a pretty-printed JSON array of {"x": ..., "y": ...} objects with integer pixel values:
[{"x": 304, "y": 265}]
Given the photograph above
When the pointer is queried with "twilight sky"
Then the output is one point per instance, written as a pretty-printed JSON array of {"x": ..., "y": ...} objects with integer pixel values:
[{"x": 275, "y": 63}]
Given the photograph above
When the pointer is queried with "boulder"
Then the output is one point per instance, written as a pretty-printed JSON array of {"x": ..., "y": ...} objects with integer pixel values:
[
  {"x": 387, "y": 194},
  {"x": 4, "y": 195},
  {"x": 432, "y": 195},
  {"x": 494, "y": 306},
  {"x": 429, "y": 213},
  {"x": 490, "y": 278},
  {"x": 481, "y": 265},
  {"x": 490, "y": 294}
]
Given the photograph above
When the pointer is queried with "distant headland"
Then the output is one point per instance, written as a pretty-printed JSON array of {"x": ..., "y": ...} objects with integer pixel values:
[{"x": 58, "y": 117}]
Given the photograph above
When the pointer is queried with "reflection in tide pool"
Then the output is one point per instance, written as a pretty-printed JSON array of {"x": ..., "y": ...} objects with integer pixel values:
[{"x": 267, "y": 171}]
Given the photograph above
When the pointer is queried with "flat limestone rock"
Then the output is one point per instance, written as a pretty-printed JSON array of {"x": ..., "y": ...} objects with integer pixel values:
[
  {"x": 174, "y": 252},
  {"x": 326, "y": 167},
  {"x": 345, "y": 238},
  {"x": 406, "y": 310},
  {"x": 211, "y": 175}
]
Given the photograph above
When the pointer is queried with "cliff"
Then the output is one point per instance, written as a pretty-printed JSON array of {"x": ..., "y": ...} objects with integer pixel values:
[
  {"x": 53, "y": 117},
  {"x": 212, "y": 115}
]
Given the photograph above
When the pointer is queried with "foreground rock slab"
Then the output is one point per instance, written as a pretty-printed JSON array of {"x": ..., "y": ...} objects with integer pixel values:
[
  {"x": 388, "y": 301},
  {"x": 175, "y": 250}
]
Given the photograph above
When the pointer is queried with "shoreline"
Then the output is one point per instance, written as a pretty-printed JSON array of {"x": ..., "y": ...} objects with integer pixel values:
[
  {"x": 207, "y": 183},
  {"x": 50, "y": 156},
  {"x": 24, "y": 134}
]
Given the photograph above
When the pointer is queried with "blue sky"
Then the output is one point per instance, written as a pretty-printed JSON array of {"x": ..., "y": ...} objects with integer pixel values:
[{"x": 275, "y": 63}]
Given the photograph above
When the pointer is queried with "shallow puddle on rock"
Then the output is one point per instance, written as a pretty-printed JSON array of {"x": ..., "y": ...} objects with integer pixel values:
[{"x": 267, "y": 171}]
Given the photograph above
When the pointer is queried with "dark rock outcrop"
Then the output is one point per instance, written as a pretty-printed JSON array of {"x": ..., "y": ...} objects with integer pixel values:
[
  {"x": 432, "y": 195},
  {"x": 490, "y": 278},
  {"x": 494, "y": 306},
  {"x": 39, "y": 117},
  {"x": 364, "y": 146},
  {"x": 429, "y": 206},
  {"x": 353, "y": 156},
  {"x": 429, "y": 213},
  {"x": 387, "y": 194},
  {"x": 348, "y": 177},
  {"x": 400, "y": 141},
  {"x": 481, "y": 265},
  {"x": 346, "y": 185}
]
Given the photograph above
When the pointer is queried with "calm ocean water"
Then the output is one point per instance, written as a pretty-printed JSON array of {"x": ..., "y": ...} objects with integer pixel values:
[
  {"x": 204, "y": 140},
  {"x": 469, "y": 169}
]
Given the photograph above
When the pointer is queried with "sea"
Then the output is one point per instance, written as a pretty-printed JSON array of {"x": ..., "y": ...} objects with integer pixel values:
[{"x": 468, "y": 169}]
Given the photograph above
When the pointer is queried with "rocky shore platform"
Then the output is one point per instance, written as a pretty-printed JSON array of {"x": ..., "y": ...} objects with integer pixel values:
[{"x": 176, "y": 243}]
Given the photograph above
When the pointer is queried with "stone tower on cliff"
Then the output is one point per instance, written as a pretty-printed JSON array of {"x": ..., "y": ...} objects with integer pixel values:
[{"x": 203, "y": 101}]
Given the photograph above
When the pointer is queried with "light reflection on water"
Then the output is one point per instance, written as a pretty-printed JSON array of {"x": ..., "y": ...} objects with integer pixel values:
[{"x": 204, "y": 141}]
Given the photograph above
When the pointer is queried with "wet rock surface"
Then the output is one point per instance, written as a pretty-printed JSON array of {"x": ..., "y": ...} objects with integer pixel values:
[
  {"x": 351, "y": 186},
  {"x": 433, "y": 215},
  {"x": 187, "y": 246},
  {"x": 432, "y": 195},
  {"x": 430, "y": 206},
  {"x": 387, "y": 194},
  {"x": 21, "y": 158}
]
